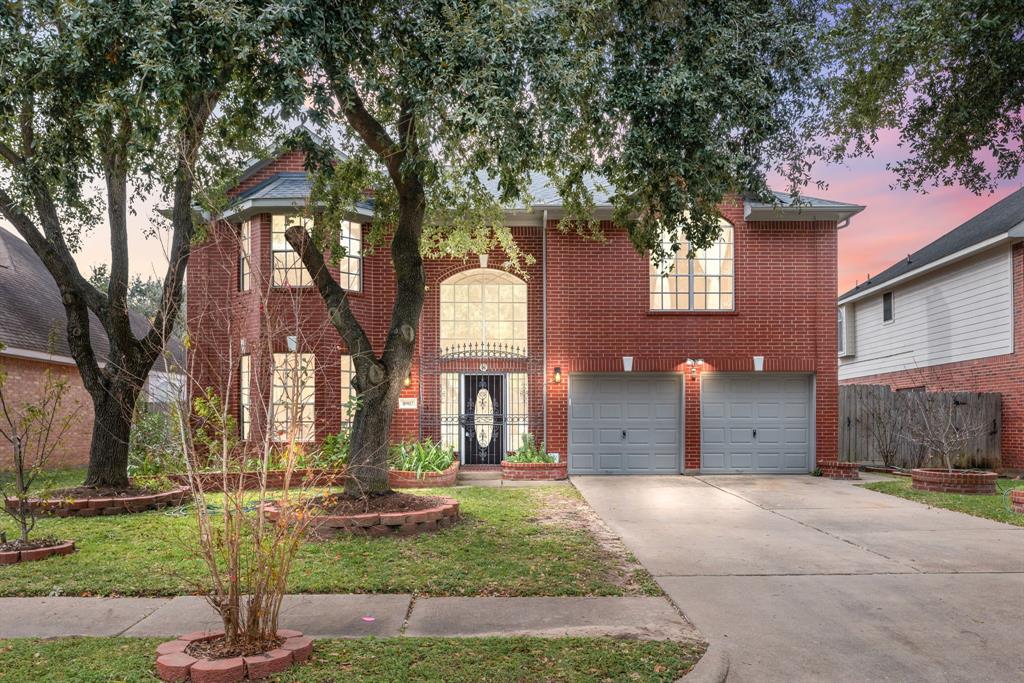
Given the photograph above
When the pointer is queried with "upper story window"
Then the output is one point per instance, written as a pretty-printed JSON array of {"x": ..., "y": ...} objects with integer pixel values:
[
  {"x": 293, "y": 397},
  {"x": 245, "y": 256},
  {"x": 703, "y": 283},
  {"x": 888, "y": 311},
  {"x": 484, "y": 308},
  {"x": 287, "y": 266},
  {"x": 350, "y": 267}
]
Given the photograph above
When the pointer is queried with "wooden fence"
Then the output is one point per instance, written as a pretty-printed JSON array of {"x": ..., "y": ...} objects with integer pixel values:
[{"x": 873, "y": 415}]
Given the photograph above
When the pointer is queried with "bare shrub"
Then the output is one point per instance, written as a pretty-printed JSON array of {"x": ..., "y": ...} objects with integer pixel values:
[{"x": 945, "y": 425}]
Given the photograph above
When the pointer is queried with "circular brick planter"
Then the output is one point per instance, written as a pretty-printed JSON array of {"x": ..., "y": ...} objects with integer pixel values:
[
  {"x": 534, "y": 471},
  {"x": 404, "y": 479},
  {"x": 172, "y": 664},
  {"x": 1017, "y": 500},
  {"x": 379, "y": 524},
  {"x": 15, "y": 556},
  {"x": 833, "y": 469},
  {"x": 954, "y": 481},
  {"x": 92, "y": 507}
]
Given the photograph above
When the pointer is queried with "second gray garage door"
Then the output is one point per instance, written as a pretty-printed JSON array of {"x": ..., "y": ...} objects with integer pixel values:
[
  {"x": 625, "y": 424},
  {"x": 757, "y": 422}
]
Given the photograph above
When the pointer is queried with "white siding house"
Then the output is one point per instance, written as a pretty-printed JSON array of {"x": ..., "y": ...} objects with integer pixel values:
[{"x": 961, "y": 312}]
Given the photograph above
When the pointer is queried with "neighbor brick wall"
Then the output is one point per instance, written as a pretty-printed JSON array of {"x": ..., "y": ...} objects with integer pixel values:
[
  {"x": 598, "y": 312},
  {"x": 26, "y": 380},
  {"x": 1003, "y": 374}
]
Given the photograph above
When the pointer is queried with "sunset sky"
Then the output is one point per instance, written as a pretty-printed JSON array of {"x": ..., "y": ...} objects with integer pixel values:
[{"x": 894, "y": 224}]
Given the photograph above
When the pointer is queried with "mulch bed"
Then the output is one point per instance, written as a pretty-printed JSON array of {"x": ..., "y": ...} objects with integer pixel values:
[
  {"x": 218, "y": 648},
  {"x": 389, "y": 502},
  {"x": 31, "y": 544},
  {"x": 13, "y": 552},
  {"x": 76, "y": 492}
]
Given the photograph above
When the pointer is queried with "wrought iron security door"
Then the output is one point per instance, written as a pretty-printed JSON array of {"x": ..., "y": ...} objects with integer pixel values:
[{"x": 483, "y": 419}]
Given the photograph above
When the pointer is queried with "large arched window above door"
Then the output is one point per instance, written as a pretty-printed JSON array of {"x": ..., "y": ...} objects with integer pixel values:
[{"x": 483, "y": 308}]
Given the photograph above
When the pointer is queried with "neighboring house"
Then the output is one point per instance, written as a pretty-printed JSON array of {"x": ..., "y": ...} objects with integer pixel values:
[
  {"x": 613, "y": 366},
  {"x": 949, "y": 317},
  {"x": 33, "y": 329}
]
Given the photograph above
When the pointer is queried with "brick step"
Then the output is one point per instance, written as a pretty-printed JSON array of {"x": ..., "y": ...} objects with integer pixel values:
[{"x": 479, "y": 475}]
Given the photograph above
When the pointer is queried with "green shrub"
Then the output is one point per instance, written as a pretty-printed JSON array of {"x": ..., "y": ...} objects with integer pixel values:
[
  {"x": 529, "y": 452},
  {"x": 332, "y": 454},
  {"x": 154, "y": 447},
  {"x": 421, "y": 456}
]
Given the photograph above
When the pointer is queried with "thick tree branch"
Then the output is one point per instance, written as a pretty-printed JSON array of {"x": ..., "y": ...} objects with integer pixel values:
[{"x": 115, "y": 170}]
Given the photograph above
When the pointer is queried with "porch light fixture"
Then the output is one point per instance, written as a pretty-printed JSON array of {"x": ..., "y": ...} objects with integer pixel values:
[
  {"x": 627, "y": 363},
  {"x": 694, "y": 364},
  {"x": 758, "y": 363},
  {"x": 558, "y": 375},
  {"x": 408, "y": 379}
]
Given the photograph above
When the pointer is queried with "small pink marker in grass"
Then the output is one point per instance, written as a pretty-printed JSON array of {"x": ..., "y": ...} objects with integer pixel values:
[{"x": 369, "y": 619}]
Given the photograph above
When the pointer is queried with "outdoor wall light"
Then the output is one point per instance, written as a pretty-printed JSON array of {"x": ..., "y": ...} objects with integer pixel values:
[
  {"x": 558, "y": 375},
  {"x": 408, "y": 379}
]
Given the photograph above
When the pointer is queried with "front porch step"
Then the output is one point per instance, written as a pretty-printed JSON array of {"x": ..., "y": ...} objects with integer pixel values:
[{"x": 479, "y": 475}]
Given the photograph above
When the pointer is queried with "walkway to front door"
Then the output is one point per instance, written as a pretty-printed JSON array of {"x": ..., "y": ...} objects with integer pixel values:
[{"x": 808, "y": 579}]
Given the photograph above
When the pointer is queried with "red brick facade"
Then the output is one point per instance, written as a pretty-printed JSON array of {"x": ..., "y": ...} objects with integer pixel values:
[
  {"x": 1003, "y": 374},
  {"x": 25, "y": 382},
  {"x": 597, "y": 311}
]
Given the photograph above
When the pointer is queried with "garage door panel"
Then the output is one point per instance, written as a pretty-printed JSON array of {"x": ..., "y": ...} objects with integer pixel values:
[
  {"x": 778, "y": 407},
  {"x": 633, "y": 423}
]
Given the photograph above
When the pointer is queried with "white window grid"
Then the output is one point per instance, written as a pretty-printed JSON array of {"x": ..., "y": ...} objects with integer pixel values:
[
  {"x": 704, "y": 283},
  {"x": 293, "y": 397}
]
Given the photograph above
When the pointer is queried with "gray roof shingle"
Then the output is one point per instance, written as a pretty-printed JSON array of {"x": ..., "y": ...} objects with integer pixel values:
[
  {"x": 32, "y": 315},
  {"x": 994, "y": 221}
]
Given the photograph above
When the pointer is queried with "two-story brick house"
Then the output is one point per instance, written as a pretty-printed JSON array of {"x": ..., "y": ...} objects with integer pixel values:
[{"x": 726, "y": 364}]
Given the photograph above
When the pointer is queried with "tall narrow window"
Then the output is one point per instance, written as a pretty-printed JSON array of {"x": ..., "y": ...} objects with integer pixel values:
[
  {"x": 350, "y": 267},
  {"x": 888, "y": 315},
  {"x": 348, "y": 371},
  {"x": 293, "y": 396},
  {"x": 245, "y": 256},
  {"x": 703, "y": 283},
  {"x": 841, "y": 329},
  {"x": 244, "y": 396},
  {"x": 287, "y": 266}
]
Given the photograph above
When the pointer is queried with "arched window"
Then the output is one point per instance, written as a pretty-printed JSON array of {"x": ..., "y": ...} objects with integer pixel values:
[{"x": 483, "y": 307}]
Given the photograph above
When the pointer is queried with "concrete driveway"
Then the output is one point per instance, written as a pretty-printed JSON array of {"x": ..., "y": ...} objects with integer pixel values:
[{"x": 807, "y": 579}]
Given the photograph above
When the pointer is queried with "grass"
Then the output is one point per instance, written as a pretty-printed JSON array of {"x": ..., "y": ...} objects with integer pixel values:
[
  {"x": 995, "y": 506},
  {"x": 89, "y": 660},
  {"x": 499, "y": 548}
]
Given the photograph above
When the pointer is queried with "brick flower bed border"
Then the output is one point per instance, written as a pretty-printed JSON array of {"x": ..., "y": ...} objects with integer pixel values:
[
  {"x": 834, "y": 469},
  {"x": 405, "y": 479},
  {"x": 212, "y": 482},
  {"x": 956, "y": 481},
  {"x": 1017, "y": 500},
  {"x": 35, "y": 554},
  {"x": 534, "y": 471},
  {"x": 379, "y": 524},
  {"x": 172, "y": 664},
  {"x": 92, "y": 507}
]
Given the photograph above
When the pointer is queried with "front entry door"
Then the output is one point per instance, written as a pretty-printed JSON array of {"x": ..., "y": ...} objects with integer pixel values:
[{"x": 483, "y": 434}]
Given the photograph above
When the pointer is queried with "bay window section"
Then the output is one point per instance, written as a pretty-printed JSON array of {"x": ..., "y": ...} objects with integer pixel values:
[
  {"x": 287, "y": 267},
  {"x": 703, "y": 283},
  {"x": 245, "y": 256},
  {"x": 293, "y": 397}
]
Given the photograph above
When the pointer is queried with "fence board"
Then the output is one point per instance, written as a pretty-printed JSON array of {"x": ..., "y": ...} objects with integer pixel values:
[{"x": 864, "y": 406}]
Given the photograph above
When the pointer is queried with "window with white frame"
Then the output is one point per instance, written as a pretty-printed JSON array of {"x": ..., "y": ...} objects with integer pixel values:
[
  {"x": 288, "y": 270},
  {"x": 350, "y": 267},
  {"x": 293, "y": 397},
  {"x": 245, "y": 256},
  {"x": 245, "y": 396},
  {"x": 888, "y": 310},
  {"x": 484, "y": 307},
  {"x": 704, "y": 283},
  {"x": 346, "y": 394},
  {"x": 841, "y": 329}
]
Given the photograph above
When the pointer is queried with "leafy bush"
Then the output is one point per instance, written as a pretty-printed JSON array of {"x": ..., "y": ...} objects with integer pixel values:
[
  {"x": 333, "y": 453},
  {"x": 421, "y": 456},
  {"x": 154, "y": 447},
  {"x": 529, "y": 452}
]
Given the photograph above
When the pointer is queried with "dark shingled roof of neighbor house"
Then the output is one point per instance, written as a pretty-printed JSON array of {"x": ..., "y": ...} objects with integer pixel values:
[
  {"x": 32, "y": 316},
  {"x": 996, "y": 220}
]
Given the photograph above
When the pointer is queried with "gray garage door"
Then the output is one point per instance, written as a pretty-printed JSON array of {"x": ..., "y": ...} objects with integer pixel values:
[
  {"x": 625, "y": 424},
  {"x": 755, "y": 423}
]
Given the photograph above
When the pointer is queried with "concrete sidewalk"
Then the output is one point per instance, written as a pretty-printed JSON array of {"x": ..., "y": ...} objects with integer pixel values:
[{"x": 355, "y": 616}]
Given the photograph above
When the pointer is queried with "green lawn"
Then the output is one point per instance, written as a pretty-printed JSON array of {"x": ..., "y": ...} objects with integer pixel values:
[
  {"x": 995, "y": 507},
  {"x": 499, "y": 548},
  {"x": 91, "y": 660}
]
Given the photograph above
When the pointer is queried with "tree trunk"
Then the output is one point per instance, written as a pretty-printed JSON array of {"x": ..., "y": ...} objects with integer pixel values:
[
  {"x": 112, "y": 426},
  {"x": 368, "y": 449}
]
